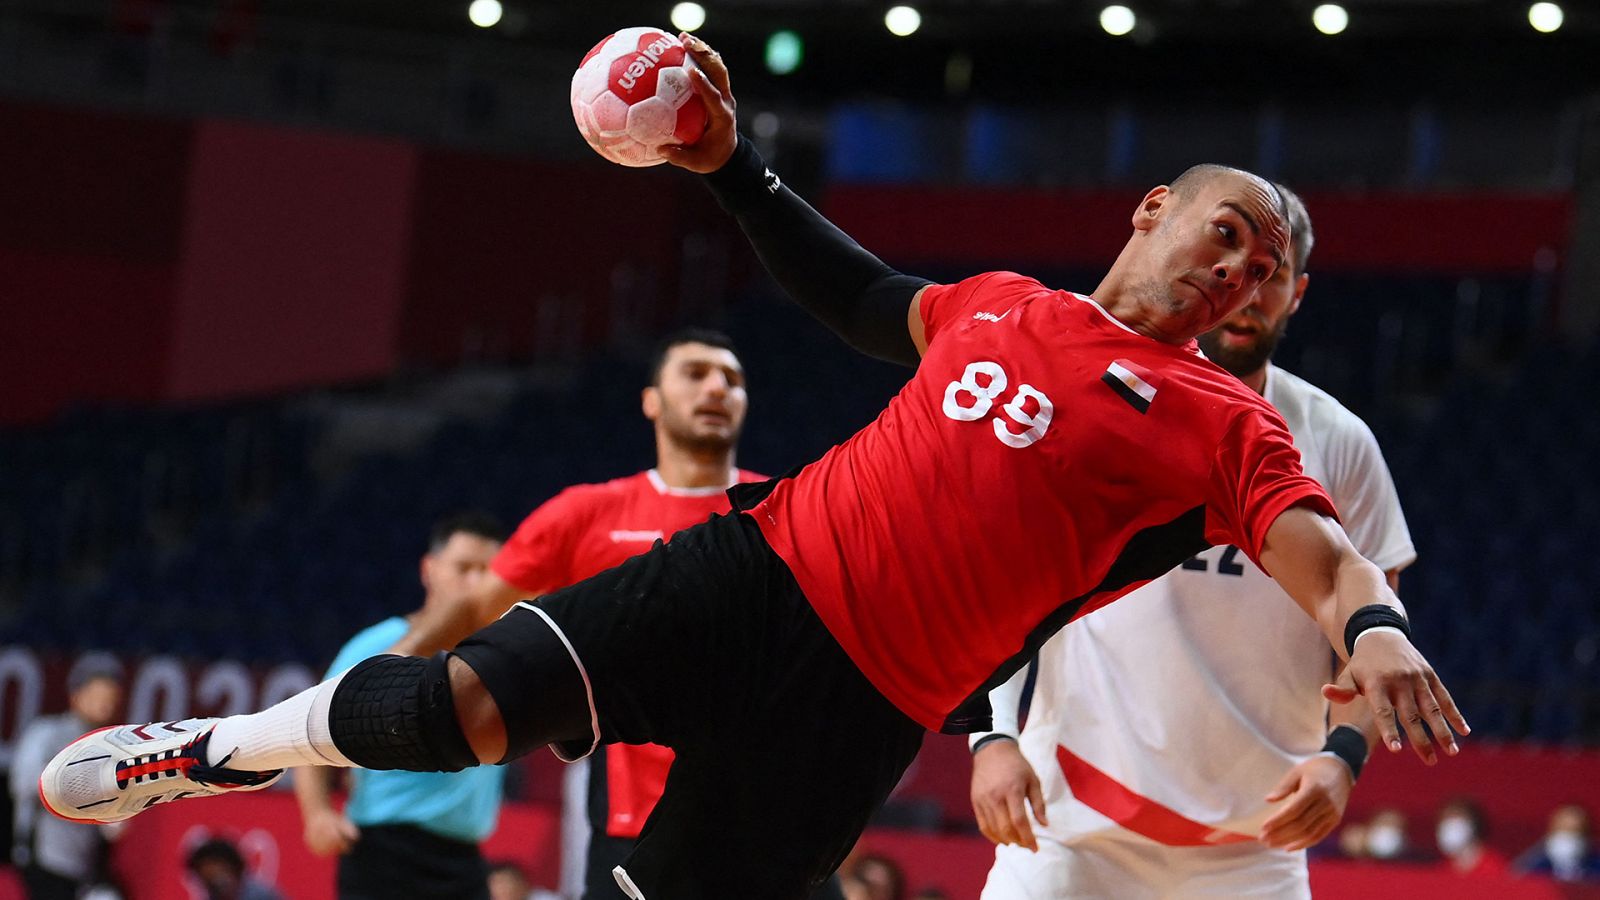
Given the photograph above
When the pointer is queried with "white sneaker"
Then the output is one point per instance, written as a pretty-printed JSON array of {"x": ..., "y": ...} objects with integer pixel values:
[{"x": 118, "y": 772}]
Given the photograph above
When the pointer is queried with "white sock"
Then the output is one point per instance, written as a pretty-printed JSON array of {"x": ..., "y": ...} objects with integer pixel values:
[{"x": 292, "y": 733}]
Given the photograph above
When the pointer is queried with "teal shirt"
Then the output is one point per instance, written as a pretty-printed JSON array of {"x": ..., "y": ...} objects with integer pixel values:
[{"x": 461, "y": 805}]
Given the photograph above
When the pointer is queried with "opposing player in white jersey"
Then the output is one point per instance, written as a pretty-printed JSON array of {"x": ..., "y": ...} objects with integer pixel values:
[{"x": 1177, "y": 740}]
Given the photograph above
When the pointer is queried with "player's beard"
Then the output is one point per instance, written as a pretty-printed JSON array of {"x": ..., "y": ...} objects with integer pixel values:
[
  {"x": 1243, "y": 361},
  {"x": 682, "y": 432}
]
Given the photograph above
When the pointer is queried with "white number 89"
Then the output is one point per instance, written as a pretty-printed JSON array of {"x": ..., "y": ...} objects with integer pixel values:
[{"x": 983, "y": 397}]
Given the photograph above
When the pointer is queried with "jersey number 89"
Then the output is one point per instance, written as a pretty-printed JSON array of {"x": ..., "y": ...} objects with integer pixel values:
[{"x": 966, "y": 400}]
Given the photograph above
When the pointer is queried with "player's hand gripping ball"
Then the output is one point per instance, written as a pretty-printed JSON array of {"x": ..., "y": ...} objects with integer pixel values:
[{"x": 632, "y": 94}]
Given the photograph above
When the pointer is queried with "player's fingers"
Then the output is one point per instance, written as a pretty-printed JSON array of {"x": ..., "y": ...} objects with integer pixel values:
[
  {"x": 1036, "y": 800},
  {"x": 1411, "y": 720},
  {"x": 1305, "y": 815},
  {"x": 1452, "y": 713},
  {"x": 710, "y": 61},
  {"x": 1312, "y": 832},
  {"x": 1021, "y": 829},
  {"x": 980, "y": 810},
  {"x": 1338, "y": 693},
  {"x": 1283, "y": 820},
  {"x": 1285, "y": 786},
  {"x": 1433, "y": 713}
]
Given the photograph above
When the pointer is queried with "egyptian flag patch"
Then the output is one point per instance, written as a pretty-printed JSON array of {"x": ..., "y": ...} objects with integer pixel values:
[{"x": 1133, "y": 383}]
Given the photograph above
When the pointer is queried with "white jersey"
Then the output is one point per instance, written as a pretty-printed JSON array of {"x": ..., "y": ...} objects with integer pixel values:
[{"x": 1178, "y": 707}]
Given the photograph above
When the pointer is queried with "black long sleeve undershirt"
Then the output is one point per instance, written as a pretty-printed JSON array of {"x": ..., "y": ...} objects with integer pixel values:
[{"x": 854, "y": 293}]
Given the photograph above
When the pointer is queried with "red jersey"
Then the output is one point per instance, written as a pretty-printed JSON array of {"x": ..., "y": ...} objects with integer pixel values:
[
  {"x": 585, "y": 530},
  {"x": 1044, "y": 460}
]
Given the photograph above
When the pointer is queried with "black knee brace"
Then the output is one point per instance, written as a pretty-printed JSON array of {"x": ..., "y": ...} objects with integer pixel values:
[{"x": 397, "y": 712}]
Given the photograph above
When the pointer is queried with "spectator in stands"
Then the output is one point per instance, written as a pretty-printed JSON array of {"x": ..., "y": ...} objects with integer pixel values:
[
  {"x": 412, "y": 834},
  {"x": 507, "y": 881},
  {"x": 59, "y": 859},
  {"x": 1567, "y": 852},
  {"x": 1460, "y": 834},
  {"x": 881, "y": 876},
  {"x": 1353, "y": 841},
  {"x": 222, "y": 874},
  {"x": 1386, "y": 837}
]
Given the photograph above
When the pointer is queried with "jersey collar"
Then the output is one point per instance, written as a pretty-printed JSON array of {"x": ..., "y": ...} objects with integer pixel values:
[
  {"x": 662, "y": 487},
  {"x": 1192, "y": 347}
]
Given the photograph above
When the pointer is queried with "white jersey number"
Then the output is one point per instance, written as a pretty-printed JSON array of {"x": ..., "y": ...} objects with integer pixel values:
[{"x": 983, "y": 395}]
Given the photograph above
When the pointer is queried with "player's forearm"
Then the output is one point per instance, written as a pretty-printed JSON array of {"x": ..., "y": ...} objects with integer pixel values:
[
  {"x": 1005, "y": 702},
  {"x": 313, "y": 789},
  {"x": 848, "y": 289},
  {"x": 439, "y": 628},
  {"x": 1357, "y": 584}
]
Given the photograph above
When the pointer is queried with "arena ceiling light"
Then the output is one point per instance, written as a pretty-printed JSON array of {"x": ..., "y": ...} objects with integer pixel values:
[
  {"x": 785, "y": 50},
  {"x": 688, "y": 16},
  {"x": 1545, "y": 17},
  {"x": 1117, "y": 20},
  {"x": 1330, "y": 18},
  {"x": 902, "y": 21},
  {"x": 485, "y": 13}
]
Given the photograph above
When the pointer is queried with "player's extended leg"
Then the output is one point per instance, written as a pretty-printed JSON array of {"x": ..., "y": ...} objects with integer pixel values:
[{"x": 387, "y": 712}]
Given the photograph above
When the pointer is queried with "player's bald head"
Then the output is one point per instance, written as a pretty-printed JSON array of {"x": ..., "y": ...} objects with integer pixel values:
[{"x": 1196, "y": 180}]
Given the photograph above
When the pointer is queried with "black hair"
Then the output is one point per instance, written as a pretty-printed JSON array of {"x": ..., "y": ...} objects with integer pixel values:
[
  {"x": 474, "y": 522},
  {"x": 219, "y": 849},
  {"x": 690, "y": 335}
]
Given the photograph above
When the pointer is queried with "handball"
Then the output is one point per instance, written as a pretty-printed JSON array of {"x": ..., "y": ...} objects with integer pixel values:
[{"x": 632, "y": 94}]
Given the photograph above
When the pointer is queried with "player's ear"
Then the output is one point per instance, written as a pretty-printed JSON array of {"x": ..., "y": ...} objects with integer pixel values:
[
  {"x": 1144, "y": 218},
  {"x": 1299, "y": 292},
  {"x": 425, "y": 572},
  {"x": 650, "y": 402}
]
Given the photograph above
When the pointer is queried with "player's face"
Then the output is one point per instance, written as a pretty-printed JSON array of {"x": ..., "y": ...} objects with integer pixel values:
[
  {"x": 700, "y": 400},
  {"x": 1209, "y": 253},
  {"x": 454, "y": 572},
  {"x": 1245, "y": 341}
]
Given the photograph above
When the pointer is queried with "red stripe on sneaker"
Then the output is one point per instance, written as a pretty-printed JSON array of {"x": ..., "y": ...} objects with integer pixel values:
[
  {"x": 152, "y": 768},
  {"x": 1140, "y": 815}
]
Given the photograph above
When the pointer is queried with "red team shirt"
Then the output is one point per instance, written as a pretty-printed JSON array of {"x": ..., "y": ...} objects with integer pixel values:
[
  {"x": 585, "y": 530},
  {"x": 1044, "y": 460}
]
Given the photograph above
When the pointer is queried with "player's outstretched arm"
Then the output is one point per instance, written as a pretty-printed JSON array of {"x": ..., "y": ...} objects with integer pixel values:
[
  {"x": 1310, "y": 557},
  {"x": 440, "y": 626},
  {"x": 853, "y": 292}
]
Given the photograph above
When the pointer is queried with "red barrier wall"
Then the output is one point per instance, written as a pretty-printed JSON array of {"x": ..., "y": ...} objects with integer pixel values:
[
  {"x": 149, "y": 857},
  {"x": 292, "y": 265},
  {"x": 1474, "y": 233}
]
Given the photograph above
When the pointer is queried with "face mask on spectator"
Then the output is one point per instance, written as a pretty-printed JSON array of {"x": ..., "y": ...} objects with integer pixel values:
[
  {"x": 1454, "y": 834},
  {"x": 1384, "y": 841},
  {"x": 1565, "y": 849}
]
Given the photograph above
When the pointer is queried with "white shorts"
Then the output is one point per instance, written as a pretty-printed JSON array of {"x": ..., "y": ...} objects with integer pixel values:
[{"x": 1131, "y": 868}]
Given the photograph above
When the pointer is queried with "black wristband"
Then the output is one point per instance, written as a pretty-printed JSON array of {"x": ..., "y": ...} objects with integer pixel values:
[
  {"x": 991, "y": 738},
  {"x": 1373, "y": 615},
  {"x": 1350, "y": 745}
]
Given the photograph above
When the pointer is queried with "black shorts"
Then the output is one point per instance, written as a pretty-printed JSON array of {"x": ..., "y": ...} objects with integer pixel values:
[
  {"x": 707, "y": 645},
  {"x": 405, "y": 861}
]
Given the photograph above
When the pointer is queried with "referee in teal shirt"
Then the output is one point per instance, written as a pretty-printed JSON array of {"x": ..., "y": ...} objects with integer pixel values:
[{"x": 411, "y": 834}]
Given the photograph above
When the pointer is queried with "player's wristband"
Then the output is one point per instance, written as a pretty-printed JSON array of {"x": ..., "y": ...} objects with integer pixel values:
[
  {"x": 987, "y": 739},
  {"x": 1374, "y": 615},
  {"x": 1350, "y": 745}
]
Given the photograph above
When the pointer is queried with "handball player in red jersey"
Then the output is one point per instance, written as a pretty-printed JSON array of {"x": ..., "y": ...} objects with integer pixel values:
[{"x": 1052, "y": 452}]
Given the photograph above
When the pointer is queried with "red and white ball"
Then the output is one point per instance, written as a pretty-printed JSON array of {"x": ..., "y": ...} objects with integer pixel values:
[{"x": 632, "y": 94}]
